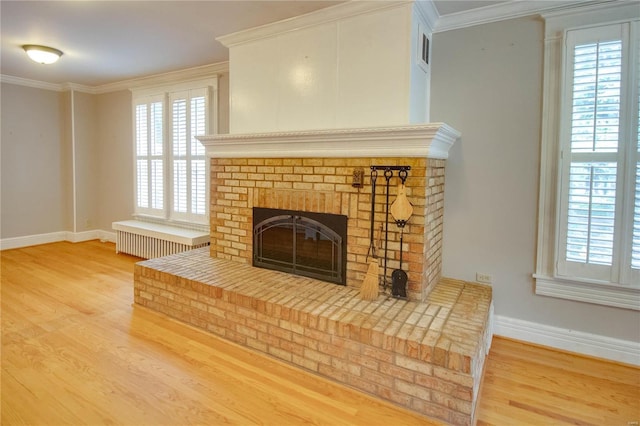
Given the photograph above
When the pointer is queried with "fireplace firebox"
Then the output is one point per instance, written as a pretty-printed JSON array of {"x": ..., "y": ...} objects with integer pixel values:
[{"x": 302, "y": 243}]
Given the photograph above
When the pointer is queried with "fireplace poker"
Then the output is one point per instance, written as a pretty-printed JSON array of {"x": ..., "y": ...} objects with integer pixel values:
[
  {"x": 401, "y": 210},
  {"x": 388, "y": 173},
  {"x": 374, "y": 176}
]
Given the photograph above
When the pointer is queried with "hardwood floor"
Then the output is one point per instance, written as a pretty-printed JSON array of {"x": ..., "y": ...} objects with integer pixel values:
[{"x": 74, "y": 351}]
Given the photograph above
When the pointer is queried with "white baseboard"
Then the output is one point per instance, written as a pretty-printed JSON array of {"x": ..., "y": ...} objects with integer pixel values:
[
  {"x": 625, "y": 351},
  {"x": 32, "y": 240},
  {"x": 77, "y": 237},
  {"x": 54, "y": 237}
]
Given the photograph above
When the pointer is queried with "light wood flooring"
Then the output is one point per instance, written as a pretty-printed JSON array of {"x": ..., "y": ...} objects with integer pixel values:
[{"x": 75, "y": 351}]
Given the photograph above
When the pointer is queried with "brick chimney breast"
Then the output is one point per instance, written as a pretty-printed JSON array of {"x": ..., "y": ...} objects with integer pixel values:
[
  {"x": 312, "y": 171},
  {"x": 311, "y": 99}
]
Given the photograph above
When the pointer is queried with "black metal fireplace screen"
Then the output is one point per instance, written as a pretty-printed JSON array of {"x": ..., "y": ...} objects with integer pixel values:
[{"x": 302, "y": 243}]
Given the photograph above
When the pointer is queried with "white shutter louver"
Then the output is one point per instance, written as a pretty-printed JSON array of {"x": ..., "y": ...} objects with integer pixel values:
[
  {"x": 635, "y": 246},
  {"x": 149, "y": 157},
  {"x": 189, "y": 164},
  {"x": 157, "y": 162},
  {"x": 179, "y": 142},
  {"x": 142, "y": 169},
  {"x": 594, "y": 129},
  {"x": 590, "y": 186},
  {"x": 635, "y": 251},
  {"x": 591, "y": 212},
  {"x": 142, "y": 187},
  {"x": 198, "y": 164}
]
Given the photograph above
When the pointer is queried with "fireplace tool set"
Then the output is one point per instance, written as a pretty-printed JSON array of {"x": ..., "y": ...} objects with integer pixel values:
[{"x": 401, "y": 210}]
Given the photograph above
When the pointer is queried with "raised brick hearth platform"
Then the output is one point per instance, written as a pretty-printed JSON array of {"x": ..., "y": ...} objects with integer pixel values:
[{"x": 426, "y": 356}]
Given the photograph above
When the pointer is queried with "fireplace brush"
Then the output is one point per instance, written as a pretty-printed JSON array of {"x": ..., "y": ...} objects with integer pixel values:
[{"x": 369, "y": 287}]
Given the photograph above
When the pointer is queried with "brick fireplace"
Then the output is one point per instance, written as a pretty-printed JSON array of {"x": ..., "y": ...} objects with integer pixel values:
[
  {"x": 426, "y": 354},
  {"x": 286, "y": 173},
  {"x": 368, "y": 96},
  {"x": 322, "y": 185}
]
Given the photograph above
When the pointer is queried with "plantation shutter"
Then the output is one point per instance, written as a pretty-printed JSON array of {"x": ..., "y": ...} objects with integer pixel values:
[
  {"x": 188, "y": 169},
  {"x": 599, "y": 227},
  {"x": 635, "y": 246},
  {"x": 149, "y": 164},
  {"x": 198, "y": 157}
]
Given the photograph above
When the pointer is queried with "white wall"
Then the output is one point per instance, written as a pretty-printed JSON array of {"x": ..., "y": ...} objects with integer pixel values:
[
  {"x": 350, "y": 72},
  {"x": 115, "y": 153},
  {"x": 86, "y": 161},
  {"x": 487, "y": 83},
  {"x": 35, "y": 162}
]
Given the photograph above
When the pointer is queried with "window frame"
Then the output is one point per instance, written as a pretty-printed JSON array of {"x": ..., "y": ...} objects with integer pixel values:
[
  {"x": 166, "y": 92},
  {"x": 548, "y": 282}
]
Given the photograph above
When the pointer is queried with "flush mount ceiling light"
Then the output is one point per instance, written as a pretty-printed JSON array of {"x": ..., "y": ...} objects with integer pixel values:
[{"x": 42, "y": 54}]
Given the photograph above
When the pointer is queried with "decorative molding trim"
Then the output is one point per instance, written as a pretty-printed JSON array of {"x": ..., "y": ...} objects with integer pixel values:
[
  {"x": 625, "y": 351},
  {"x": 78, "y": 88},
  {"x": 18, "y": 81},
  {"x": 510, "y": 10},
  {"x": 205, "y": 71},
  {"x": 321, "y": 16},
  {"x": 591, "y": 6},
  {"x": 429, "y": 13},
  {"x": 32, "y": 240},
  {"x": 600, "y": 294},
  {"x": 428, "y": 140},
  {"x": 77, "y": 237},
  {"x": 55, "y": 237},
  {"x": 196, "y": 73}
]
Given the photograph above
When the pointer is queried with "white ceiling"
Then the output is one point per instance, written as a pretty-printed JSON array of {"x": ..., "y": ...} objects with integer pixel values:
[{"x": 110, "y": 41}]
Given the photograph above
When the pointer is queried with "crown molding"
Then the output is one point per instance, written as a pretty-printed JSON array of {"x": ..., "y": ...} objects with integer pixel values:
[
  {"x": 591, "y": 13},
  {"x": 330, "y": 14},
  {"x": 431, "y": 140},
  {"x": 188, "y": 74},
  {"x": 195, "y": 73},
  {"x": 428, "y": 12},
  {"x": 511, "y": 10},
  {"x": 78, "y": 88},
  {"x": 19, "y": 81}
]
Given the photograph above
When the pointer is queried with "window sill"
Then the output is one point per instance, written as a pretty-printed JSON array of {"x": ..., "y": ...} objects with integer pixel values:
[{"x": 600, "y": 294}]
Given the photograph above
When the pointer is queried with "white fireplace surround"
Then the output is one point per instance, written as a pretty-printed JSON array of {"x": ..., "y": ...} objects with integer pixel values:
[{"x": 431, "y": 140}]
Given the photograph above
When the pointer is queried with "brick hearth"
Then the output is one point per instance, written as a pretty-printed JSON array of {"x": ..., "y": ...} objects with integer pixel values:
[{"x": 427, "y": 356}]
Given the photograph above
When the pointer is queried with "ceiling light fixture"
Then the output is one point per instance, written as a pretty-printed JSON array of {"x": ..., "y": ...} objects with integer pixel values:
[{"x": 42, "y": 54}]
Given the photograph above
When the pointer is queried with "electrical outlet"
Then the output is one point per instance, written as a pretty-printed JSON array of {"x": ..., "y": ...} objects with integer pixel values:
[{"x": 484, "y": 278}]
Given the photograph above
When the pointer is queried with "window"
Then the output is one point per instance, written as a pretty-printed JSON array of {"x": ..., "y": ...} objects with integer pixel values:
[
  {"x": 589, "y": 222},
  {"x": 171, "y": 169}
]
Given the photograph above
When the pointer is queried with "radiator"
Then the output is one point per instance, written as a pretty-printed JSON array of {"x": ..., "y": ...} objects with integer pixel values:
[{"x": 146, "y": 240}]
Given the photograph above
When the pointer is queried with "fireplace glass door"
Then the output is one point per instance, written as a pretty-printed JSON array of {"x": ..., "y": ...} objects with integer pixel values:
[{"x": 302, "y": 243}]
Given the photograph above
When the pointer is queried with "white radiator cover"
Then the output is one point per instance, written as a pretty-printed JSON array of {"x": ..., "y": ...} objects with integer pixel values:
[{"x": 149, "y": 240}]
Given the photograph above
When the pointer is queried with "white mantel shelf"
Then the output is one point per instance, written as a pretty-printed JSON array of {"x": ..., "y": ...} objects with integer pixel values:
[{"x": 431, "y": 140}]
